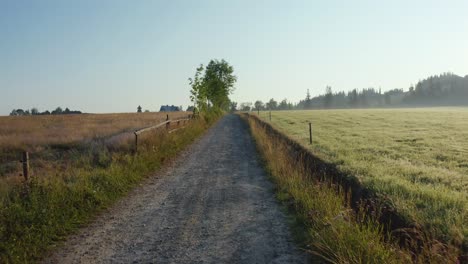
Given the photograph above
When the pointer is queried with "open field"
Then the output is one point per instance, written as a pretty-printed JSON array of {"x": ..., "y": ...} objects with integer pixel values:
[
  {"x": 47, "y": 137},
  {"x": 30, "y": 132},
  {"x": 72, "y": 183},
  {"x": 417, "y": 158}
]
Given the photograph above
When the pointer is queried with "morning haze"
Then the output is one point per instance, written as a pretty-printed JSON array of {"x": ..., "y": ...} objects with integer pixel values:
[
  {"x": 233, "y": 131},
  {"x": 111, "y": 56}
]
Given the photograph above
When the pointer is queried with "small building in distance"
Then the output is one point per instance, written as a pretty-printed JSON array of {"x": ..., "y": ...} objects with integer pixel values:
[{"x": 169, "y": 108}]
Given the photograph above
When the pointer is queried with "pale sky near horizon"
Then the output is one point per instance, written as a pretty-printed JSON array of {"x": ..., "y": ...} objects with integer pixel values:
[{"x": 111, "y": 56}]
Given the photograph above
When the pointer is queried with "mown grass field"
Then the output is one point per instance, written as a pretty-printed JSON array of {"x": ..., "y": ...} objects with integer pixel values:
[{"x": 417, "y": 158}]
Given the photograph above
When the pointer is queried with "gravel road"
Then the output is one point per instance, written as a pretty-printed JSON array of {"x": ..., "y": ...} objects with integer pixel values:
[{"x": 215, "y": 204}]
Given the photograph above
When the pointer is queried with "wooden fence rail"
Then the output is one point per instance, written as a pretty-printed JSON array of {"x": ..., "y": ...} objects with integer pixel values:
[
  {"x": 166, "y": 124},
  {"x": 25, "y": 155}
]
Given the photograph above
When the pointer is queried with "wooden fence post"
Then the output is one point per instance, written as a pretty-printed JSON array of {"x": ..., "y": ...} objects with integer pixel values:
[
  {"x": 136, "y": 142},
  {"x": 26, "y": 166},
  {"x": 310, "y": 133},
  {"x": 168, "y": 123}
]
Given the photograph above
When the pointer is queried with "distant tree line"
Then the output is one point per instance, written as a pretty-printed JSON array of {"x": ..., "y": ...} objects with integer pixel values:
[
  {"x": 446, "y": 89},
  {"x": 35, "y": 111}
]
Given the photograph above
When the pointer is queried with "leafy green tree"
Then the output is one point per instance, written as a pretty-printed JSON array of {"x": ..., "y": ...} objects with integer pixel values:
[
  {"x": 246, "y": 106},
  {"x": 233, "y": 107},
  {"x": 219, "y": 81},
  {"x": 139, "y": 109},
  {"x": 211, "y": 86},
  {"x": 57, "y": 111},
  {"x": 283, "y": 105},
  {"x": 259, "y": 105},
  {"x": 198, "y": 93},
  {"x": 272, "y": 104}
]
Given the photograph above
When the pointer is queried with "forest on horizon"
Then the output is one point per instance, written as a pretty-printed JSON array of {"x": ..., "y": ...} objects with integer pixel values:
[{"x": 446, "y": 89}]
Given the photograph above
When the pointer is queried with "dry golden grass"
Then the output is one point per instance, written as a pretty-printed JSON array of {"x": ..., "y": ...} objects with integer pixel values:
[
  {"x": 69, "y": 186},
  {"x": 33, "y": 132}
]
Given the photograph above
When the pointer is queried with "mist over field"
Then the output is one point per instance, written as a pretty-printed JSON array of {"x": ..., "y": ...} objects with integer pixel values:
[
  {"x": 233, "y": 131},
  {"x": 100, "y": 57}
]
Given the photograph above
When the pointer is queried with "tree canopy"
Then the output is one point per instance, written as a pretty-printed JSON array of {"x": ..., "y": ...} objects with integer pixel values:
[
  {"x": 211, "y": 86},
  {"x": 259, "y": 105}
]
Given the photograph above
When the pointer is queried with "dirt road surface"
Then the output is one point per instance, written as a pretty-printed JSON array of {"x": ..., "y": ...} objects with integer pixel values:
[{"x": 215, "y": 204}]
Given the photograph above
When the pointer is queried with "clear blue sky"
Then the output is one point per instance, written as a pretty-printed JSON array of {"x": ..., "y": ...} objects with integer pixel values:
[{"x": 111, "y": 56}]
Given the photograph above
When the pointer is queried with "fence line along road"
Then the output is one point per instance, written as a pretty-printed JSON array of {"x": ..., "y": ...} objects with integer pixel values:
[
  {"x": 166, "y": 123},
  {"x": 25, "y": 155}
]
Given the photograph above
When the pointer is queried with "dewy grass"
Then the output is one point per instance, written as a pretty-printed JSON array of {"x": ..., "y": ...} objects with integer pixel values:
[
  {"x": 417, "y": 158},
  {"x": 332, "y": 230},
  {"x": 34, "y": 216},
  {"x": 335, "y": 232}
]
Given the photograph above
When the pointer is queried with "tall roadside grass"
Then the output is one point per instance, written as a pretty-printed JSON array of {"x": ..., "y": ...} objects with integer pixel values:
[
  {"x": 332, "y": 230},
  {"x": 414, "y": 158},
  {"x": 34, "y": 216}
]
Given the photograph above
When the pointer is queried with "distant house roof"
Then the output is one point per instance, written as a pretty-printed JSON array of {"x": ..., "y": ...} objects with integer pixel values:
[{"x": 169, "y": 108}]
